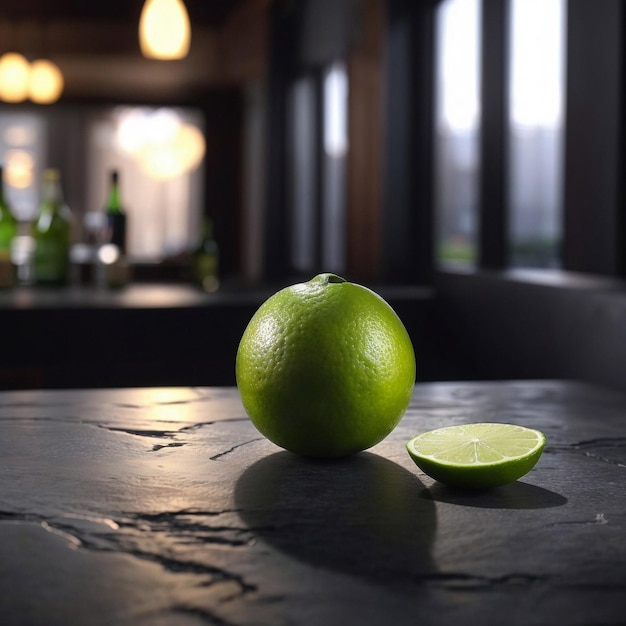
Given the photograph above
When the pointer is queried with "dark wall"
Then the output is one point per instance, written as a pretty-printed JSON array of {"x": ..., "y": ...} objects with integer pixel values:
[
  {"x": 534, "y": 325},
  {"x": 223, "y": 114},
  {"x": 594, "y": 239}
]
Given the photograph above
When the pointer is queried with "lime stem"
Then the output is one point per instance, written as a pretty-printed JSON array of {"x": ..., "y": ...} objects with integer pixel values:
[{"x": 329, "y": 278}]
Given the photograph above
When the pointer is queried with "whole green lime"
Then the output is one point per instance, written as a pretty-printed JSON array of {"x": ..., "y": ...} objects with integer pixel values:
[{"x": 325, "y": 368}]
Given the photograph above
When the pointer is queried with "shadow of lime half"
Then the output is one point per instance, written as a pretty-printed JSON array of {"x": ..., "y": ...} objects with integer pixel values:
[
  {"x": 361, "y": 515},
  {"x": 517, "y": 495}
]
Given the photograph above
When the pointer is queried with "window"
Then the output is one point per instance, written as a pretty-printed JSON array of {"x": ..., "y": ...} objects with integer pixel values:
[
  {"x": 533, "y": 40},
  {"x": 158, "y": 152},
  {"x": 457, "y": 111},
  {"x": 536, "y": 89},
  {"x": 335, "y": 148},
  {"x": 303, "y": 174},
  {"x": 22, "y": 153},
  {"x": 317, "y": 143}
]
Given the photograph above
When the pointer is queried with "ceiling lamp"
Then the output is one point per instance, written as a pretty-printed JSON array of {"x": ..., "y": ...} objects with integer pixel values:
[
  {"x": 164, "y": 30},
  {"x": 14, "y": 77},
  {"x": 46, "y": 82}
]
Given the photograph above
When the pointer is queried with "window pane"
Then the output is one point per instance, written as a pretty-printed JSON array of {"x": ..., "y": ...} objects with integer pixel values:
[
  {"x": 158, "y": 153},
  {"x": 456, "y": 130},
  {"x": 22, "y": 150},
  {"x": 302, "y": 174},
  {"x": 335, "y": 149},
  {"x": 536, "y": 131}
]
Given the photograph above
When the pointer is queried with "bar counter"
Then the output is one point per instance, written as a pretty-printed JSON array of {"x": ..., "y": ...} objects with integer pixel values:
[
  {"x": 149, "y": 334},
  {"x": 165, "y": 507}
]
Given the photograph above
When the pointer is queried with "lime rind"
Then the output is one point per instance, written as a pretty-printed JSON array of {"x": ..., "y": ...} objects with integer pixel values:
[{"x": 477, "y": 455}]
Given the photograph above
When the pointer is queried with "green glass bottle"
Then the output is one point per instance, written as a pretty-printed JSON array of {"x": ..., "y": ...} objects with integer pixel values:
[
  {"x": 115, "y": 270},
  {"x": 116, "y": 217},
  {"x": 205, "y": 260},
  {"x": 51, "y": 232},
  {"x": 8, "y": 231}
]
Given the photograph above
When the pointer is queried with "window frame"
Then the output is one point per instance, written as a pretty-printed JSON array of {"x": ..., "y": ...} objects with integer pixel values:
[
  {"x": 593, "y": 192},
  {"x": 593, "y": 220}
]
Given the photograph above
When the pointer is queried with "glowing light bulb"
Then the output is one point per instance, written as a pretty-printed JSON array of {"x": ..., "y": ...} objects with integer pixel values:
[
  {"x": 14, "y": 77},
  {"x": 46, "y": 82},
  {"x": 164, "y": 30}
]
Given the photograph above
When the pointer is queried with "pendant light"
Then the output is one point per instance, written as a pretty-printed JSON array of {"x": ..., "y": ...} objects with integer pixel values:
[
  {"x": 164, "y": 30},
  {"x": 46, "y": 82},
  {"x": 46, "y": 79},
  {"x": 14, "y": 77},
  {"x": 41, "y": 81}
]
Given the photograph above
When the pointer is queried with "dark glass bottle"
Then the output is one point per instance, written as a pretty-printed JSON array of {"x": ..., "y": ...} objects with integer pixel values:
[
  {"x": 205, "y": 260},
  {"x": 8, "y": 231},
  {"x": 51, "y": 232},
  {"x": 116, "y": 217}
]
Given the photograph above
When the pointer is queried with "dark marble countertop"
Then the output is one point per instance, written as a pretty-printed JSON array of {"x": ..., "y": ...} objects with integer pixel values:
[{"x": 165, "y": 507}]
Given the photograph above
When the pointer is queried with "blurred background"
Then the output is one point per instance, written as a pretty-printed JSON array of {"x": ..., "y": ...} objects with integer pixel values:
[{"x": 462, "y": 157}]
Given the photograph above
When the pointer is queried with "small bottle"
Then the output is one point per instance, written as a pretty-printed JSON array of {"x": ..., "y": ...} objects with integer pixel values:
[
  {"x": 116, "y": 217},
  {"x": 8, "y": 231},
  {"x": 205, "y": 260},
  {"x": 51, "y": 232},
  {"x": 114, "y": 266}
]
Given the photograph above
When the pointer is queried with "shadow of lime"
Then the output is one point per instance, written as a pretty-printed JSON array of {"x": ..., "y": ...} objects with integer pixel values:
[
  {"x": 361, "y": 515},
  {"x": 517, "y": 495}
]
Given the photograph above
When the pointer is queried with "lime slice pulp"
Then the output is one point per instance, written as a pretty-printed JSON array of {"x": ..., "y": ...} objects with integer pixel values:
[{"x": 477, "y": 455}]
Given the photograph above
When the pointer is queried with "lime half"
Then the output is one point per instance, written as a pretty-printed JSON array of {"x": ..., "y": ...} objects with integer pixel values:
[{"x": 477, "y": 455}]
